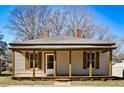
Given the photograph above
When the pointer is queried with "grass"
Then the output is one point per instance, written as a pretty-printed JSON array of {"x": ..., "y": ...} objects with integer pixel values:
[
  {"x": 4, "y": 80},
  {"x": 9, "y": 81},
  {"x": 116, "y": 83}
]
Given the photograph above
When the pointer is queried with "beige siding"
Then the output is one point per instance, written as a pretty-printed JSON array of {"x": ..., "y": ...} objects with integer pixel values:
[
  {"x": 19, "y": 62},
  {"x": 62, "y": 62},
  {"x": 77, "y": 62}
]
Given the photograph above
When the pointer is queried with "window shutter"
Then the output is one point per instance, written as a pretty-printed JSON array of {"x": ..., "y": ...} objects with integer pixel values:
[
  {"x": 84, "y": 60},
  {"x": 97, "y": 60},
  {"x": 40, "y": 60},
  {"x": 26, "y": 60}
]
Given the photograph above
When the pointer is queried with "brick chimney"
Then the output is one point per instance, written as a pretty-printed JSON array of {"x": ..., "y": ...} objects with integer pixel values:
[
  {"x": 78, "y": 33},
  {"x": 45, "y": 33}
]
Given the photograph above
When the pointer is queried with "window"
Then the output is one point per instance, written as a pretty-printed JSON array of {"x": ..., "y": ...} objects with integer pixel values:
[
  {"x": 91, "y": 58},
  {"x": 31, "y": 60}
]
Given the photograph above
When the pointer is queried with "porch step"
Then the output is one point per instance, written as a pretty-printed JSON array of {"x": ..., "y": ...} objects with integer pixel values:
[
  {"x": 61, "y": 83},
  {"x": 63, "y": 79}
]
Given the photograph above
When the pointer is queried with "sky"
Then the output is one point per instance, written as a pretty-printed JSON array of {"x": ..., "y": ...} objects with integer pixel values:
[{"x": 110, "y": 15}]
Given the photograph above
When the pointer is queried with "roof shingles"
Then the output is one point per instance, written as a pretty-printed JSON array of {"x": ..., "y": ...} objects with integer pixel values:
[{"x": 61, "y": 40}]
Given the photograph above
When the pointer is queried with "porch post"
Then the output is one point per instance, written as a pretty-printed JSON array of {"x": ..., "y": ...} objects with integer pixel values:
[
  {"x": 90, "y": 67},
  {"x": 33, "y": 64},
  {"x": 110, "y": 63},
  {"x": 70, "y": 66},
  {"x": 13, "y": 63},
  {"x": 54, "y": 64}
]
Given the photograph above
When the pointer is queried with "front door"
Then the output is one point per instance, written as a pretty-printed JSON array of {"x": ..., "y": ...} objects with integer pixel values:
[{"x": 50, "y": 64}]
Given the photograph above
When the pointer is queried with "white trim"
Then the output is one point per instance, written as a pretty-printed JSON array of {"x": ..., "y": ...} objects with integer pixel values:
[{"x": 49, "y": 71}]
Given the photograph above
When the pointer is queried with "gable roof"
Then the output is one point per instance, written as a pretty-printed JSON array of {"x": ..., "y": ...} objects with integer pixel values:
[{"x": 62, "y": 40}]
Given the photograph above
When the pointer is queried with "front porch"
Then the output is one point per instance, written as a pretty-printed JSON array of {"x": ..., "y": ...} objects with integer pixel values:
[{"x": 41, "y": 74}]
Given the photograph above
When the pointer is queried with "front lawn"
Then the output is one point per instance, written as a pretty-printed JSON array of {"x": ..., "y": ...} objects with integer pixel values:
[
  {"x": 9, "y": 81},
  {"x": 4, "y": 81},
  {"x": 99, "y": 83}
]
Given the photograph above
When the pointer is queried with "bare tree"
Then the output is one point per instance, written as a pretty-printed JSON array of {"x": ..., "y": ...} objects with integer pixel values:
[
  {"x": 82, "y": 18},
  {"x": 57, "y": 22},
  {"x": 79, "y": 17},
  {"x": 102, "y": 32},
  {"x": 28, "y": 21}
]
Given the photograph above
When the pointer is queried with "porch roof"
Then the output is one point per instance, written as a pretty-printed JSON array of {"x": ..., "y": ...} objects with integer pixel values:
[{"x": 52, "y": 47}]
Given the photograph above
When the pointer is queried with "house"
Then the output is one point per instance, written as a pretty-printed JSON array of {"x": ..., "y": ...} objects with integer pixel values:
[
  {"x": 118, "y": 70},
  {"x": 61, "y": 57}
]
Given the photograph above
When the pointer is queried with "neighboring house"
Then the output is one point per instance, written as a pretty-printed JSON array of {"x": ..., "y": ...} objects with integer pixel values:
[
  {"x": 62, "y": 57},
  {"x": 118, "y": 69}
]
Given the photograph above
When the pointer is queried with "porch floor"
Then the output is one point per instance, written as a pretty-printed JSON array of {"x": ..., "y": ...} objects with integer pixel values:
[
  {"x": 41, "y": 74},
  {"x": 29, "y": 73}
]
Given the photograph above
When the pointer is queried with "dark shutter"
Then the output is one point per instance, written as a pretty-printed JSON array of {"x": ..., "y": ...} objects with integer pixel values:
[
  {"x": 40, "y": 60},
  {"x": 84, "y": 60},
  {"x": 26, "y": 60},
  {"x": 97, "y": 60}
]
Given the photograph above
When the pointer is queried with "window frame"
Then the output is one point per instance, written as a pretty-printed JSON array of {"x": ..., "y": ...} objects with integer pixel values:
[
  {"x": 50, "y": 54},
  {"x": 36, "y": 60},
  {"x": 90, "y": 59}
]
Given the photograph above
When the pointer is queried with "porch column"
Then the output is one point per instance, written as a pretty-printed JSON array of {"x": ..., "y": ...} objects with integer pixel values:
[
  {"x": 110, "y": 63},
  {"x": 54, "y": 64},
  {"x": 13, "y": 63},
  {"x": 90, "y": 67},
  {"x": 33, "y": 64},
  {"x": 70, "y": 66}
]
